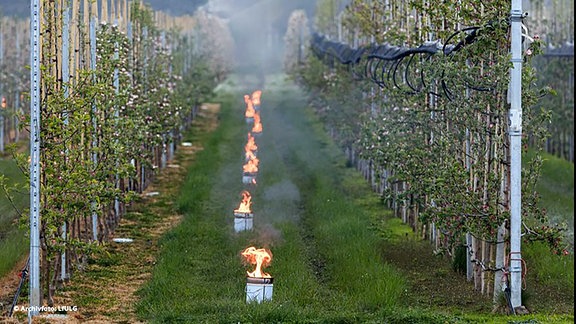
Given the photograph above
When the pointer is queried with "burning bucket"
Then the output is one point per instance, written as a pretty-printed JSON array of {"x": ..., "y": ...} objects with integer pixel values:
[
  {"x": 250, "y": 169},
  {"x": 243, "y": 217},
  {"x": 243, "y": 221},
  {"x": 255, "y": 98},
  {"x": 259, "y": 289},
  {"x": 249, "y": 113},
  {"x": 257, "y": 125},
  {"x": 258, "y": 283}
]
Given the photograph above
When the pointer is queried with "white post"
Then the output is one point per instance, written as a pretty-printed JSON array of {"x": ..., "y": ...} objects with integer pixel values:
[
  {"x": 469, "y": 253},
  {"x": 117, "y": 115},
  {"x": 164, "y": 158},
  {"x": 65, "y": 84},
  {"x": 35, "y": 74},
  {"x": 144, "y": 40},
  {"x": 94, "y": 119},
  {"x": 17, "y": 95},
  {"x": 498, "y": 274},
  {"x": 16, "y": 118},
  {"x": 515, "y": 133},
  {"x": 2, "y": 108}
]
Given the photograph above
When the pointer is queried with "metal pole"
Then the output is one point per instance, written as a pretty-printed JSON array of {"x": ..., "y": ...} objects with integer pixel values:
[
  {"x": 34, "y": 284},
  {"x": 94, "y": 120},
  {"x": 65, "y": 83},
  {"x": 17, "y": 95},
  {"x": 163, "y": 158},
  {"x": 116, "y": 118},
  {"x": 2, "y": 107},
  {"x": 16, "y": 119},
  {"x": 515, "y": 133},
  {"x": 144, "y": 40},
  {"x": 131, "y": 59}
]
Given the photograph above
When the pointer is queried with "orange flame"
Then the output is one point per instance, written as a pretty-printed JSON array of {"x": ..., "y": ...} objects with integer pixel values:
[
  {"x": 245, "y": 204},
  {"x": 249, "y": 107},
  {"x": 261, "y": 258},
  {"x": 257, "y": 128},
  {"x": 250, "y": 144},
  {"x": 251, "y": 166},
  {"x": 250, "y": 155},
  {"x": 256, "y": 97}
]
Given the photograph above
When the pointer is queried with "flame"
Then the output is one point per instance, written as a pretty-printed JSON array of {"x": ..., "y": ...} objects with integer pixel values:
[
  {"x": 245, "y": 204},
  {"x": 250, "y": 144},
  {"x": 250, "y": 155},
  {"x": 256, "y": 97},
  {"x": 257, "y": 128},
  {"x": 249, "y": 107},
  {"x": 261, "y": 258},
  {"x": 251, "y": 166}
]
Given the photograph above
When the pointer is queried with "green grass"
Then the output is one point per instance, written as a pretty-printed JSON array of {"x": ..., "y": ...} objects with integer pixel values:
[
  {"x": 13, "y": 241},
  {"x": 326, "y": 265},
  {"x": 319, "y": 218},
  {"x": 556, "y": 187},
  {"x": 325, "y": 227}
]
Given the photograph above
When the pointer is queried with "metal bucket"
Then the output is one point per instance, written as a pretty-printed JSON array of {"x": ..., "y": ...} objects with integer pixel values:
[
  {"x": 259, "y": 289},
  {"x": 243, "y": 222},
  {"x": 248, "y": 178}
]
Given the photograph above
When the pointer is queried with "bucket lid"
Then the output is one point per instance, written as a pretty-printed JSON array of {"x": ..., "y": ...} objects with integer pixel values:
[
  {"x": 256, "y": 280},
  {"x": 243, "y": 215}
]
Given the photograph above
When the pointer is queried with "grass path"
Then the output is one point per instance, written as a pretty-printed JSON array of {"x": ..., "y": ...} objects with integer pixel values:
[{"x": 325, "y": 264}]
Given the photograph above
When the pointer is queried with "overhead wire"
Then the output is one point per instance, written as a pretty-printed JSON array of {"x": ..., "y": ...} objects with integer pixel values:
[{"x": 396, "y": 66}]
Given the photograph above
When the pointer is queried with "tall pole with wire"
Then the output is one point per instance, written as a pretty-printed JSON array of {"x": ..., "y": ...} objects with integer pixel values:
[
  {"x": 65, "y": 84},
  {"x": 515, "y": 133},
  {"x": 93, "y": 17},
  {"x": 3, "y": 105},
  {"x": 34, "y": 284}
]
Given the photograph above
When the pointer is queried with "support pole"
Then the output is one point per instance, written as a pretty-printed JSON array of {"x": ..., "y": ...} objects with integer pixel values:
[
  {"x": 34, "y": 284},
  {"x": 65, "y": 84},
  {"x": 3, "y": 105},
  {"x": 94, "y": 119},
  {"x": 515, "y": 133},
  {"x": 117, "y": 117}
]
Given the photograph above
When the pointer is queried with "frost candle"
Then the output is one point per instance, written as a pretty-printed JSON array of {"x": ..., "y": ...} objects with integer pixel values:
[
  {"x": 243, "y": 217},
  {"x": 259, "y": 284},
  {"x": 249, "y": 112}
]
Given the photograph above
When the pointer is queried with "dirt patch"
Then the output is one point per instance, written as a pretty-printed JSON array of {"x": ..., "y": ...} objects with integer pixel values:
[
  {"x": 8, "y": 287},
  {"x": 434, "y": 284},
  {"x": 106, "y": 290},
  {"x": 431, "y": 280}
]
